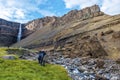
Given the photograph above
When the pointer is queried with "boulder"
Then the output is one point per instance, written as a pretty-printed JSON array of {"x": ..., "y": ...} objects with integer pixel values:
[
  {"x": 116, "y": 35},
  {"x": 9, "y": 57},
  {"x": 118, "y": 61}
]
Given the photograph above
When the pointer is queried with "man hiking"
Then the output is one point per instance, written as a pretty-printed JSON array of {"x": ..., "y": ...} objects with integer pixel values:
[{"x": 41, "y": 58}]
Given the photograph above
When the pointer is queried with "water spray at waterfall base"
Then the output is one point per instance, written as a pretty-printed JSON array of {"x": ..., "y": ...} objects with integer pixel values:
[{"x": 19, "y": 33}]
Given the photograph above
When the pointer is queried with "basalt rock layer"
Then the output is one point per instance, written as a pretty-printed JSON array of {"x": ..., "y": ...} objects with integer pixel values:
[{"x": 9, "y": 31}]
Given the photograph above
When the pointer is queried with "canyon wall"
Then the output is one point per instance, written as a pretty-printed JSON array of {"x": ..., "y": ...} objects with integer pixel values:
[{"x": 8, "y": 32}]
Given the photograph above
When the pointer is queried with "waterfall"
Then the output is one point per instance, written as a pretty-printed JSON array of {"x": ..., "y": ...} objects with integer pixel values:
[{"x": 19, "y": 33}]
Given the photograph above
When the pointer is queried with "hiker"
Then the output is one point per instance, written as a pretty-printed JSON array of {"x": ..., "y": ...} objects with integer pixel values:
[{"x": 41, "y": 58}]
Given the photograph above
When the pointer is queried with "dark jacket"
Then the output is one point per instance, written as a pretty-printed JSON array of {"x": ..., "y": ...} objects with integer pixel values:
[{"x": 41, "y": 55}]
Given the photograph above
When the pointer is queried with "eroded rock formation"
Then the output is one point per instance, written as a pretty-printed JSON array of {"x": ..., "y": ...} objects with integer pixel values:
[{"x": 80, "y": 46}]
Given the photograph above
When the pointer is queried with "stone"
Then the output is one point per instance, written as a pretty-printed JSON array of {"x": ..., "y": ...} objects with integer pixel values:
[
  {"x": 115, "y": 77},
  {"x": 108, "y": 32},
  {"x": 100, "y": 63},
  {"x": 9, "y": 57},
  {"x": 82, "y": 68},
  {"x": 76, "y": 71},
  {"x": 116, "y": 35},
  {"x": 28, "y": 56},
  {"x": 99, "y": 77},
  {"x": 118, "y": 61}
]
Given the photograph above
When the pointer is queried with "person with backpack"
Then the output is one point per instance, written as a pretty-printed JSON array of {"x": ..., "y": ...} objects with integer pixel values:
[{"x": 41, "y": 58}]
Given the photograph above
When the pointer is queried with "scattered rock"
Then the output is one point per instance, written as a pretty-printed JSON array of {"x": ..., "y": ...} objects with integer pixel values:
[
  {"x": 10, "y": 57},
  {"x": 108, "y": 32},
  {"x": 29, "y": 56},
  {"x": 88, "y": 68},
  {"x": 99, "y": 77},
  {"x": 118, "y": 61},
  {"x": 99, "y": 63},
  {"x": 116, "y": 35}
]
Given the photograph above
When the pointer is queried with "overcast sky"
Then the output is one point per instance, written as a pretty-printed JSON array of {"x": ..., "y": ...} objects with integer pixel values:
[{"x": 26, "y": 10}]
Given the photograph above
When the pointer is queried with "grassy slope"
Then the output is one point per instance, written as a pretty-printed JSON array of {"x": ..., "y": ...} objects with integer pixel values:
[{"x": 29, "y": 70}]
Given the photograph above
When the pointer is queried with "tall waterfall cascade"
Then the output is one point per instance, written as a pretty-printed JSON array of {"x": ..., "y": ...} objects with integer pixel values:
[{"x": 19, "y": 33}]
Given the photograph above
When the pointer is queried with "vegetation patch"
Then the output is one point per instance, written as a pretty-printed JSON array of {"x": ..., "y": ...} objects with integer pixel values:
[
  {"x": 3, "y": 51},
  {"x": 29, "y": 70}
]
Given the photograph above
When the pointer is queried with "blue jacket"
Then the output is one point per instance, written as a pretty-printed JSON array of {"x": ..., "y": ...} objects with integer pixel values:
[{"x": 41, "y": 54}]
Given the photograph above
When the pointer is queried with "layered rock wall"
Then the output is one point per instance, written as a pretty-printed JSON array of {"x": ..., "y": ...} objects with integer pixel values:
[
  {"x": 8, "y": 32},
  {"x": 80, "y": 45}
]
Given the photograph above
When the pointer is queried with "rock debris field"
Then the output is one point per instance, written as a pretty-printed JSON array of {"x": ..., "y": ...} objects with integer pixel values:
[{"x": 88, "y": 68}]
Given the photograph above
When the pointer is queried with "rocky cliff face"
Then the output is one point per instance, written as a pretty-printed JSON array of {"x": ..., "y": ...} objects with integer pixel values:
[
  {"x": 81, "y": 46},
  {"x": 83, "y": 14},
  {"x": 38, "y": 24},
  {"x": 8, "y": 32},
  {"x": 73, "y": 15}
]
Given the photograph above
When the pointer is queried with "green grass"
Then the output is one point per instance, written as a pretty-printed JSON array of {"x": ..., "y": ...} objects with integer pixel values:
[
  {"x": 11, "y": 51},
  {"x": 29, "y": 70},
  {"x": 15, "y": 51},
  {"x": 3, "y": 51}
]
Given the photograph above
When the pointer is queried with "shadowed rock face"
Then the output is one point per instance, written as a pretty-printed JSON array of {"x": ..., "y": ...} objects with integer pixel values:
[
  {"x": 80, "y": 46},
  {"x": 8, "y": 32}
]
